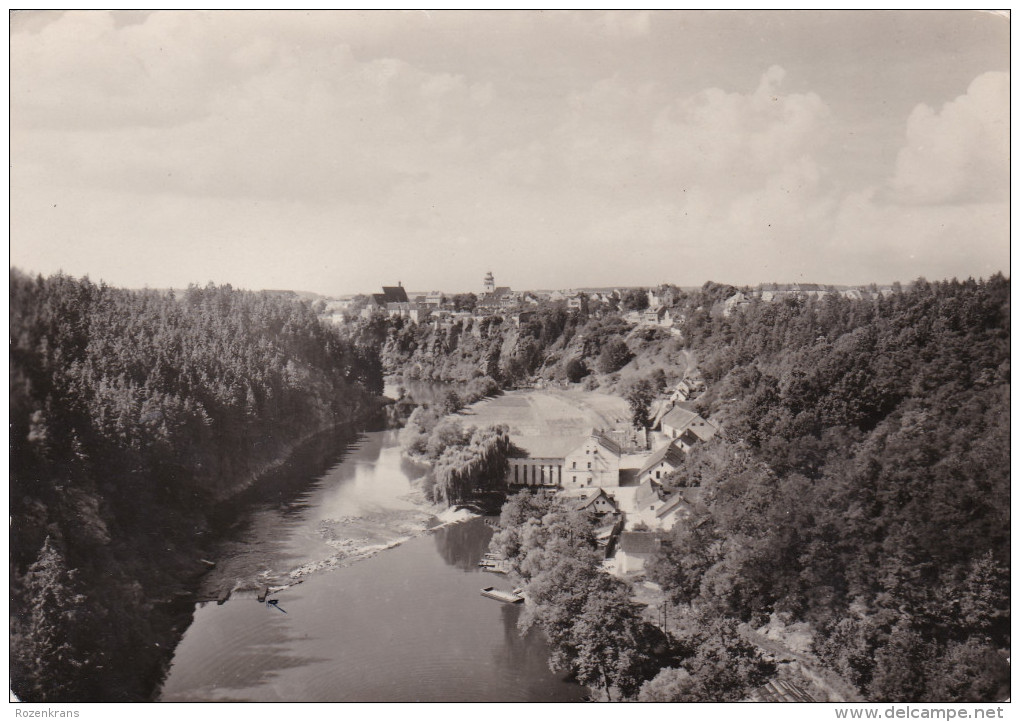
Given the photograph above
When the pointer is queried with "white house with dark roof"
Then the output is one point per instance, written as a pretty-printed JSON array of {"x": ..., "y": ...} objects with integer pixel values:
[
  {"x": 662, "y": 461},
  {"x": 598, "y": 502},
  {"x": 683, "y": 505}
]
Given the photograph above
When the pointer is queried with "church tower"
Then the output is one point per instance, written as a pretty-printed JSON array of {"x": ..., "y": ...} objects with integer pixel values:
[{"x": 490, "y": 283}]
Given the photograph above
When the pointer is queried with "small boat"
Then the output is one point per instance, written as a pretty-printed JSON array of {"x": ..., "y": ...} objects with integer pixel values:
[
  {"x": 487, "y": 563},
  {"x": 501, "y": 596},
  {"x": 490, "y": 555}
]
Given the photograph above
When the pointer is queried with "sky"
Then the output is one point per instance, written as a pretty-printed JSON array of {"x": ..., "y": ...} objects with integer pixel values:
[{"x": 336, "y": 152}]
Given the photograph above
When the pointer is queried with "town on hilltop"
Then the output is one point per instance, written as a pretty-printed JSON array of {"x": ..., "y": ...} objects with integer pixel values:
[{"x": 637, "y": 306}]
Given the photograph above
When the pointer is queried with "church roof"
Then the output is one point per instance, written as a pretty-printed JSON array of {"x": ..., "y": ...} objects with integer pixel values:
[{"x": 394, "y": 294}]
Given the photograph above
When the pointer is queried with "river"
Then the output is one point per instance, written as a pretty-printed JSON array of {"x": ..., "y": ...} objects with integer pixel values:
[{"x": 387, "y": 609}]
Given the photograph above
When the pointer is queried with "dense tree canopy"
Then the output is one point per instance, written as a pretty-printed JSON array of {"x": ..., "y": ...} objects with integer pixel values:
[
  {"x": 131, "y": 412},
  {"x": 862, "y": 483}
]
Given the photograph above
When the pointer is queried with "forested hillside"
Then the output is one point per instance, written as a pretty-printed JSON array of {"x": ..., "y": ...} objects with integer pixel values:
[
  {"x": 859, "y": 492},
  {"x": 862, "y": 484},
  {"x": 131, "y": 414}
]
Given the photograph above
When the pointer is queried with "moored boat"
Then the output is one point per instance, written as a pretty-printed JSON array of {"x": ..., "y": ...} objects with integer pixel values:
[{"x": 500, "y": 595}]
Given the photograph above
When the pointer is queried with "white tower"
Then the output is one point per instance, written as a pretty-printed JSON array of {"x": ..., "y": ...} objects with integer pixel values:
[{"x": 490, "y": 282}]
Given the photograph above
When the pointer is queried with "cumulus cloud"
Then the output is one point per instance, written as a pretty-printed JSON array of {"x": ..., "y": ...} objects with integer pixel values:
[
  {"x": 448, "y": 140},
  {"x": 961, "y": 152}
]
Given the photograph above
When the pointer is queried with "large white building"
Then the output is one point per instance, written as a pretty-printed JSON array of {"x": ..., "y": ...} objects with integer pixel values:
[{"x": 595, "y": 462}]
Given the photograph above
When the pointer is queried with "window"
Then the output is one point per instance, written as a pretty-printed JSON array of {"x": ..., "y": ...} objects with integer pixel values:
[
  {"x": 573, "y": 464},
  {"x": 589, "y": 464},
  {"x": 574, "y": 478},
  {"x": 658, "y": 474}
]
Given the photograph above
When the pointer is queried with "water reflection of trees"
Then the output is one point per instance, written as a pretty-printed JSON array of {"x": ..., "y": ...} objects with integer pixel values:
[
  {"x": 525, "y": 659},
  {"x": 462, "y": 545}
]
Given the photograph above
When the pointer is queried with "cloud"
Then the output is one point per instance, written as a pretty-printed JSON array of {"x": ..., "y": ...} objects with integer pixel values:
[
  {"x": 510, "y": 140},
  {"x": 960, "y": 153}
]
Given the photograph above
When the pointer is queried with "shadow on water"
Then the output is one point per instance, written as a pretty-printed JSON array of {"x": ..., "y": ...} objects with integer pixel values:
[
  {"x": 286, "y": 486},
  {"x": 462, "y": 545},
  {"x": 246, "y": 528}
]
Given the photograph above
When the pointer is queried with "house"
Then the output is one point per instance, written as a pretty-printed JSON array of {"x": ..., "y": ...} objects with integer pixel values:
[
  {"x": 416, "y": 312},
  {"x": 653, "y": 316},
  {"x": 736, "y": 302},
  {"x": 682, "y": 391},
  {"x": 378, "y": 302},
  {"x": 563, "y": 462},
  {"x": 648, "y": 496},
  {"x": 576, "y": 302},
  {"x": 661, "y": 462},
  {"x": 647, "y": 500},
  {"x": 634, "y": 549},
  {"x": 686, "y": 426},
  {"x": 499, "y": 299},
  {"x": 654, "y": 300},
  {"x": 596, "y": 462},
  {"x": 597, "y": 502},
  {"x": 683, "y": 505}
]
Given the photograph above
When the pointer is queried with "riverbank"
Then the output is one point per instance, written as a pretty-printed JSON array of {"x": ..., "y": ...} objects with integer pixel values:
[{"x": 407, "y": 625}]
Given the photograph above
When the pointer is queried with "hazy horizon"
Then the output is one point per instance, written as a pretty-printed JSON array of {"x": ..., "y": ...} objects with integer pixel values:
[
  {"x": 411, "y": 290},
  {"x": 336, "y": 152}
]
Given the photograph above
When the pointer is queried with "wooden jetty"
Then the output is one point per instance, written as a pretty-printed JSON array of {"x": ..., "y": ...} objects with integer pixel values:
[{"x": 501, "y": 596}]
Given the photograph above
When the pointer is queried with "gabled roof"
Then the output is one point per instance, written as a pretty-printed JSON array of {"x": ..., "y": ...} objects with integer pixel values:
[
  {"x": 701, "y": 431},
  {"x": 689, "y": 497},
  {"x": 588, "y": 501},
  {"x": 394, "y": 294},
  {"x": 647, "y": 491},
  {"x": 638, "y": 542},
  {"x": 608, "y": 443},
  {"x": 683, "y": 420},
  {"x": 668, "y": 453},
  {"x": 679, "y": 418},
  {"x": 602, "y": 440}
]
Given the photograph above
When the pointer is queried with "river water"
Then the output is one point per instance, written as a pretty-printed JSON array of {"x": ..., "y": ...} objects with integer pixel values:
[{"x": 387, "y": 608}]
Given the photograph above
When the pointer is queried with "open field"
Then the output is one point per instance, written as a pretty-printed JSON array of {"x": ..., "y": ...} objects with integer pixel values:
[{"x": 548, "y": 422}]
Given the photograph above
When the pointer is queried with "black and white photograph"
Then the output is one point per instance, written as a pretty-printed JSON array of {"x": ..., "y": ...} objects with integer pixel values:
[{"x": 510, "y": 356}]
